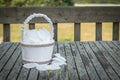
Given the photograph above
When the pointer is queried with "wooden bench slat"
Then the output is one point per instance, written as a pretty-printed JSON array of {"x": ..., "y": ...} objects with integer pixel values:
[
  {"x": 43, "y": 75},
  {"x": 117, "y": 44},
  {"x": 72, "y": 72},
  {"x": 77, "y": 31},
  {"x": 33, "y": 75},
  {"x": 115, "y": 30},
  {"x": 4, "y": 48},
  {"x": 86, "y": 61},
  {"x": 32, "y": 26},
  {"x": 16, "y": 69},
  {"x": 61, "y": 15},
  {"x": 23, "y": 75},
  {"x": 55, "y": 31},
  {"x": 113, "y": 46},
  {"x": 98, "y": 67},
  {"x": 64, "y": 70},
  {"x": 7, "y": 56},
  {"x": 74, "y": 15},
  {"x": 79, "y": 63},
  {"x": 103, "y": 61},
  {"x": 111, "y": 52},
  {"x": 9, "y": 65},
  {"x": 110, "y": 59},
  {"x": 98, "y": 31},
  {"x": 2, "y": 45},
  {"x": 6, "y": 32}
]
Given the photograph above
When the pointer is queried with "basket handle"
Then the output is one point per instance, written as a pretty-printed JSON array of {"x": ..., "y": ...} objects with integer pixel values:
[{"x": 37, "y": 15}]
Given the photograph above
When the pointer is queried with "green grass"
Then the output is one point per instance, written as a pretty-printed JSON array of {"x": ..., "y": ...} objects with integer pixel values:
[{"x": 65, "y": 31}]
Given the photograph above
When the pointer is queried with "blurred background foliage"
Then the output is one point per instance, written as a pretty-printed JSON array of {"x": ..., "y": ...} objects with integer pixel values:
[
  {"x": 50, "y": 3},
  {"x": 40, "y": 3}
]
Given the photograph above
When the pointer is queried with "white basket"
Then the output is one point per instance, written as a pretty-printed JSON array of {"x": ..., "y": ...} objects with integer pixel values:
[{"x": 38, "y": 53}]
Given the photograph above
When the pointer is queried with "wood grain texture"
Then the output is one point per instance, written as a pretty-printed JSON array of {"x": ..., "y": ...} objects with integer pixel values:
[
  {"x": 4, "y": 48},
  {"x": 97, "y": 60},
  {"x": 72, "y": 71},
  {"x": 60, "y": 14},
  {"x": 16, "y": 69},
  {"x": 87, "y": 63},
  {"x": 77, "y": 31},
  {"x": 112, "y": 51},
  {"x": 97, "y": 65},
  {"x": 9, "y": 65},
  {"x": 104, "y": 62},
  {"x": 64, "y": 69},
  {"x": 82, "y": 72},
  {"x": 98, "y": 31},
  {"x": 55, "y": 25},
  {"x": 113, "y": 63},
  {"x": 115, "y": 30},
  {"x": 7, "y": 56},
  {"x": 6, "y": 32}
]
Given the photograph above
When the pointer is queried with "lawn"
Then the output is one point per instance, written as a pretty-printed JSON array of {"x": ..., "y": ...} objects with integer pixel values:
[{"x": 65, "y": 31}]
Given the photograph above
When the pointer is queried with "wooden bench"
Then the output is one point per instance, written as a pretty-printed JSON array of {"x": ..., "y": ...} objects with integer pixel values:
[
  {"x": 85, "y": 61},
  {"x": 96, "y": 60},
  {"x": 76, "y": 15}
]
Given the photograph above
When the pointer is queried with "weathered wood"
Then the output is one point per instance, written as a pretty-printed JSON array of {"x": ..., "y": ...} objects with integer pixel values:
[
  {"x": 116, "y": 47},
  {"x": 55, "y": 31},
  {"x": 69, "y": 14},
  {"x": 110, "y": 59},
  {"x": 33, "y": 74},
  {"x": 82, "y": 72},
  {"x": 76, "y": 31},
  {"x": 53, "y": 75},
  {"x": 7, "y": 56},
  {"x": 16, "y": 69},
  {"x": 43, "y": 75},
  {"x": 111, "y": 52},
  {"x": 98, "y": 31},
  {"x": 5, "y": 71},
  {"x": 23, "y": 75},
  {"x": 86, "y": 61},
  {"x": 32, "y": 26},
  {"x": 117, "y": 44},
  {"x": 4, "y": 49},
  {"x": 6, "y": 32},
  {"x": 115, "y": 31},
  {"x": 72, "y": 71},
  {"x": 61, "y": 15},
  {"x": 64, "y": 70},
  {"x": 106, "y": 65},
  {"x": 98, "y": 67},
  {"x": 2, "y": 45}
]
